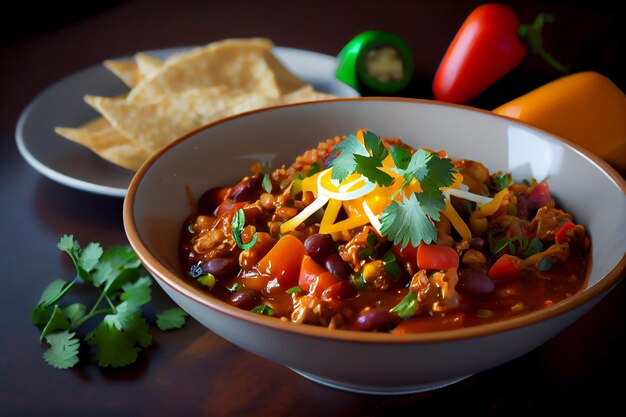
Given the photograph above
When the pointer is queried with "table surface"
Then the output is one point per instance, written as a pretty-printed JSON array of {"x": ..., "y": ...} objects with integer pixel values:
[{"x": 193, "y": 371}]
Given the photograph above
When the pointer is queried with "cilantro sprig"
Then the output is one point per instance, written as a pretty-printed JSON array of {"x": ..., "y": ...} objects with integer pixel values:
[
  {"x": 409, "y": 219},
  {"x": 237, "y": 224},
  {"x": 122, "y": 288}
]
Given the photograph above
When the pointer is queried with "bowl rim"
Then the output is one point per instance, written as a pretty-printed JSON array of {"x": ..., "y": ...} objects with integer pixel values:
[{"x": 177, "y": 284}]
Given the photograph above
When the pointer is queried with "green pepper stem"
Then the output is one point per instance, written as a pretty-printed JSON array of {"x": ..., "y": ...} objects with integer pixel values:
[{"x": 531, "y": 34}]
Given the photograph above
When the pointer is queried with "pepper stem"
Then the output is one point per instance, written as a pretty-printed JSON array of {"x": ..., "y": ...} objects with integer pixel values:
[{"x": 531, "y": 34}]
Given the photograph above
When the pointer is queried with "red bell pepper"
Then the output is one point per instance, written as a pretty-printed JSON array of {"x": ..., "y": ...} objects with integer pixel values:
[
  {"x": 436, "y": 257},
  {"x": 282, "y": 263},
  {"x": 489, "y": 44},
  {"x": 506, "y": 267},
  {"x": 314, "y": 278},
  {"x": 561, "y": 235}
]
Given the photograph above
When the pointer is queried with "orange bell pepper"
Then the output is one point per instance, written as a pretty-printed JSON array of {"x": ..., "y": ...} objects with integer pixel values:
[{"x": 585, "y": 108}]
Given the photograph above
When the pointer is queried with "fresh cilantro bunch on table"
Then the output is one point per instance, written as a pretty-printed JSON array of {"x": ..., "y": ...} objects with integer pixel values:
[
  {"x": 121, "y": 287},
  {"x": 409, "y": 218}
]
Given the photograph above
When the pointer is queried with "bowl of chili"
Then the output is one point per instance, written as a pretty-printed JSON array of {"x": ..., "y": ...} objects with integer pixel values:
[{"x": 379, "y": 245}]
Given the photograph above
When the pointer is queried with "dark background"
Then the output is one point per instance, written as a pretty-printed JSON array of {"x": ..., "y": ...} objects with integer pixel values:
[{"x": 192, "y": 371}]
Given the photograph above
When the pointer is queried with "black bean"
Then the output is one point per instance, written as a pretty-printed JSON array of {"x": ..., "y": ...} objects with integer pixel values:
[
  {"x": 338, "y": 266},
  {"x": 220, "y": 266},
  {"x": 473, "y": 281},
  {"x": 319, "y": 247},
  {"x": 245, "y": 299},
  {"x": 376, "y": 320},
  {"x": 477, "y": 244}
]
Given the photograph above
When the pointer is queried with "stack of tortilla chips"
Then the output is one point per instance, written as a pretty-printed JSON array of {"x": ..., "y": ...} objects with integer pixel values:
[{"x": 186, "y": 91}]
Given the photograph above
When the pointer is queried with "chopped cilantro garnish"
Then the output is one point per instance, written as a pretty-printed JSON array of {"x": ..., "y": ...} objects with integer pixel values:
[
  {"x": 407, "y": 307},
  {"x": 391, "y": 265},
  {"x": 263, "y": 309},
  {"x": 237, "y": 224},
  {"x": 501, "y": 180},
  {"x": 294, "y": 290},
  {"x": 409, "y": 219},
  {"x": 266, "y": 183},
  {"x": 122, "y": 289},
  {"x": 343, "y": 163},
  {"x": 518, "y": 246}
]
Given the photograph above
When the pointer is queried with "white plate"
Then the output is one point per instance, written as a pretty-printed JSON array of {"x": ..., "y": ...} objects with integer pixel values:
[{"x": 62, "y": 104}]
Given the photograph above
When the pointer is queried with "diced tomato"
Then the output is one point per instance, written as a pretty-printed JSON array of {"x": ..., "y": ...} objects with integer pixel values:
[
  {"x": 506, "y": 267},
  {"x": 283, "y": 262},
  {"x": 561, "y": 235},
  {"x": 436, "y": 257},
  {"x": 539, "y": 195},
  {"x": 314, "y": 278}
]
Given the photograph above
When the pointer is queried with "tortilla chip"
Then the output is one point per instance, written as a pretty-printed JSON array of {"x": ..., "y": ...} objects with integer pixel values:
[
  {"x": 147, "y": 65},
  {"x": 237, "y": 64},
  {"x": 154, "y": 125},
  {"x": 99, "y": 136},
  {"x": 190, "y": 89},
  {"x": 125, "y": 70}
]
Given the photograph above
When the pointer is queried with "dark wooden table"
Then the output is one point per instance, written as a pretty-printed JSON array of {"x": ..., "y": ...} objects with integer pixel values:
[{"x": 192, "y": 371}]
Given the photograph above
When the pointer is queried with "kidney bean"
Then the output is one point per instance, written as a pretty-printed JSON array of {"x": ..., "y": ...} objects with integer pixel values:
[
  {"x": 337, "y": 266},
  {"x": 210, "y": 200},
  {"x": 376, "y": 320},
  {"x": 220, "y": 267},
  {"x": 473, "y": 281},
  {"x": 477, "y": 243},
  {"x": 248, "y": 189},
  {"x": 245, "y": 299},
  {"x": 319, "y": 247}
]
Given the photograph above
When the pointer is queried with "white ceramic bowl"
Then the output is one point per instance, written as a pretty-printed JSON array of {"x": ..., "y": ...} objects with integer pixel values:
[{"x": 221, "y": 154}]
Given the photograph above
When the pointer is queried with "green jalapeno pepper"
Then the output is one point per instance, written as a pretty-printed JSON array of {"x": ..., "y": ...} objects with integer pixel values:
[{"x": 376, "y": 61}]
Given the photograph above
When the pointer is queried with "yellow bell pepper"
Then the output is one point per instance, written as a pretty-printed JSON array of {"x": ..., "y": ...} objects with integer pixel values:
[{"x": 585, "y": 108}]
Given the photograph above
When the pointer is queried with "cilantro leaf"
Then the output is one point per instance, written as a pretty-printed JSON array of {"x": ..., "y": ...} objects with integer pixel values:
[
  {"x": 407, "y": 307},
  {"x": 344, "y": 164},
  {"x": 63, "y": 350},
  {"x": 391, "y": 265},
  {"x": 375, "y": 146},
  {"x": 401, "y": 156},
  {"x": 137, "y": 293},
  {"x": 74, "y": 312},
  {"x": 174, "y": 318},
  {"x": 431, "y": 171},
  {"x": 53, "y": 292},
  {"x": 122, "y": 289},
  {"x": 263, "y": 309},
  {"x": 57, "y": 321},
  {"x": 368, "y": 167},
  {"x": 266, "y": 183},
  {"x": 534, "y": 246},
  {"x": 293, "y": 290},
  {"x": 407, "y": 222},
  {"x": 237, "y": 224},
  {"x": 122, "y": 316},
  {"x": 117, "y": 265},
  {"x": 85, "y": 259},
  {"x": 501, "y": 180},
  {"x": 120, "y": 347},
  {"x": 114, "y": 347}
]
